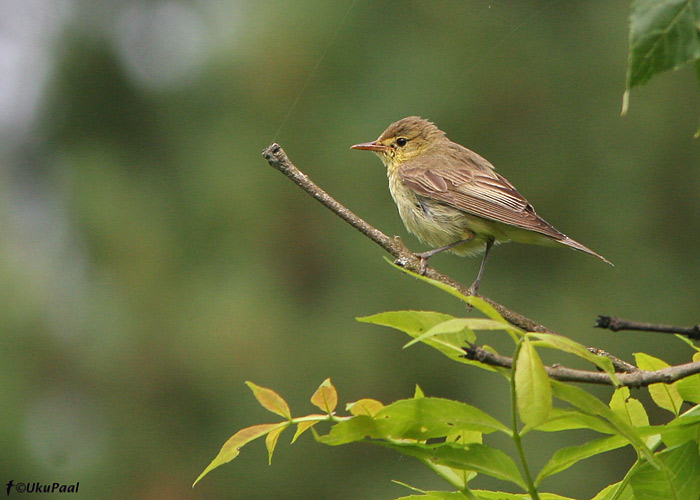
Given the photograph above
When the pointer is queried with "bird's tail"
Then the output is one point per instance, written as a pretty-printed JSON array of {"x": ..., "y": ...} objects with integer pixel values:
[{"x": 578, "y": 246}]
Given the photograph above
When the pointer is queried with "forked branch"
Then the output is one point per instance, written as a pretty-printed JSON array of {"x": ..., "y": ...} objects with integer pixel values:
[
  {"x": 635, "y": 378},
  {"x": 277, "y": 158},
  {"x": 630, "y": 375}
]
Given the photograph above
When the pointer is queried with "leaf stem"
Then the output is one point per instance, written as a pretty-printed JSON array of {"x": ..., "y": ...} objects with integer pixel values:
[
  {"x": 461, "y": 486},
  {"x": 531, "y": 488}
]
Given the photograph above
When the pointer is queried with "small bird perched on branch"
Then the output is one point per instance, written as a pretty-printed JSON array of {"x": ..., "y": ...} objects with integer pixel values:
[{"x": 452, "y": 199}]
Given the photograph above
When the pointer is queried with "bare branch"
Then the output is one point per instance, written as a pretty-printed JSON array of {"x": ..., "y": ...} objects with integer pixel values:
[
  {"x": 277, "y": 158},
  {"x": 637, "y": 378},
  {"x": 615, "y": 324},
  {"x": 630, "y": 376},
  {"x": 620, "y": 364}
]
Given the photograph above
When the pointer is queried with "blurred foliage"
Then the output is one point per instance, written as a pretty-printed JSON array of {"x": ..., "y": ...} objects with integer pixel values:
[
  {"x": 151, "y": 261},
  {"x": 452, "y": 438}
]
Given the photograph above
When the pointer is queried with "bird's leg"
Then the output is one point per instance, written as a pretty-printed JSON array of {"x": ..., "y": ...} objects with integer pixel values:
[
  {"x": 475, "y": 285},
  {"x": 424, "y": 256}
]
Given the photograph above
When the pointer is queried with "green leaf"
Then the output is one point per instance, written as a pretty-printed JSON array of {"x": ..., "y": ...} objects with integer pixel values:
[
  {"x": 589, "y": 404},
  {"x": 464, "y": 437},
  {"x": 477, "y": 457},
  {"x": 632, "y": 411},
  {"x": 231, "y": 448},
  {"x": 437, "y": 495},
  {"x": 413, "y": 323},
  {"x": 565, "y": 344},
  {"x": 348, "y": 431},
  {"x": 428, "y": 418},
  {"x": 459, "y": 478},
  {"x": 465, "y": 327},
  {"x": 419, "y": 419},
  {"x": 326, "y": 397},
  {"x": 270, "y": 400},
  {"x": 566, "y": 419},
  {"x": 679, "y": 479},
  {"x": 666, "y": 396},
  {"x": 500, "y": 495},
  {"x": 629, "y": 408},
  {"x": 566, "y": 457},
  {"x": 663, "y": 36},
  {"x": 453, "y": 331},
  {"x": 477, "y": 302},
  {"x": 686, "y": 340},
  {"x": 416, "y": 323},
  {"x": 532, "y": 386},
  {"x": 610, "y": 492},
  {"x": 364, "y": 406},
  {"x": 689, "y": 387},
  {"x": 682, "y": 429}
]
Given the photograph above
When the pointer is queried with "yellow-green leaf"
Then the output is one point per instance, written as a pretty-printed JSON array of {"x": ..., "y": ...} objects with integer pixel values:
[
  {"x": 471, "y": 457},
  {"x": 566, "y": 457},
  {"x": 365, "y": 406},
  {"x": 416, "y": 323},
  {"x": 532, "y": 386},
  {"x": 666, "y": 396},
  {"x": 270, "y": 400},
  {"x": 565, "y": 344},
  {"x": 305, "y": 425},
  {"x": 689, "y": 387},
  {"x": 629, "y": 408},
  {"x": 271, "y": 440},
  {"x": 476, "y": 302},
  {"x": 325, "y": 397},
  {"x": 452, "y": 326},
  {"x": 589, "y": 404},
  {"x": 231, "y": 448},
  {"x": 413, "y": 323}
]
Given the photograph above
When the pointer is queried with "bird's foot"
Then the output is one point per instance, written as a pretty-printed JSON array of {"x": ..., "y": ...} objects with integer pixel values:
[
  {"x": 472, "y": 290},
  {"x": 423, "y": 256}
]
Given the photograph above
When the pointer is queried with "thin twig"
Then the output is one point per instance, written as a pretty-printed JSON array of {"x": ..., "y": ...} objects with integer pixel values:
[
  {"x": 620, "y": 364},
  {"x": 637, "y": 378},
  {"x": 616, "y": 324},
  {"x": 277, "y": 158},
  {"x": 630, "y": 376}
]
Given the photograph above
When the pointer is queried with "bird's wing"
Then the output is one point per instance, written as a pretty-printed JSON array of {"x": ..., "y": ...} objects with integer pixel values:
[{"x": 467, "y": 182}]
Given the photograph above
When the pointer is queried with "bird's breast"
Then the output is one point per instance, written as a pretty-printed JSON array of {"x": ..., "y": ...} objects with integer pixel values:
[{"x": 435, "y": 223}]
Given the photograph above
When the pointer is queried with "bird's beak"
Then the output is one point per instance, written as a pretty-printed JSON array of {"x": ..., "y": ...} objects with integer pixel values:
[{"x": 371, "y": 146}]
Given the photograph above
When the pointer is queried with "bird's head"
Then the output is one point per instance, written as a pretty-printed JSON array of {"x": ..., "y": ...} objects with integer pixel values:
[{"x": 404, "y": 140}]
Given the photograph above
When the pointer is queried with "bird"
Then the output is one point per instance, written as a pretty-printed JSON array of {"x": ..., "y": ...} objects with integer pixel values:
[{"x": 453, "y": 199}]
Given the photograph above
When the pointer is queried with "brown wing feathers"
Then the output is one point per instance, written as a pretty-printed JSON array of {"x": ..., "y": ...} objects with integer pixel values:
[
  {"x": 490, "y": 197},
  {"x": 478, "y": 191}
]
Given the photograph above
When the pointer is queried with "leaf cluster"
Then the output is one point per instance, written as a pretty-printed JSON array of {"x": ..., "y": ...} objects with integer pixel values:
[{"x": 448, "y": 436}]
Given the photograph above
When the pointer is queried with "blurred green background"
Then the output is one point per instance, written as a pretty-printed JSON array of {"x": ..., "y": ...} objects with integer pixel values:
[{"x": 151, "y": 261}]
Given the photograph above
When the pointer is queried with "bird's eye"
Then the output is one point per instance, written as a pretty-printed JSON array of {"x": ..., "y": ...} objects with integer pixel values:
[{"x": 401, "y": 141}]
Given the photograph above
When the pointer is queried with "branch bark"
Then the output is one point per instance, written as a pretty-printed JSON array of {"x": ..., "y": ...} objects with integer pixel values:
[
  {"x": 278, "y": 159},
  {"x": 636, "y": 378},
  {"x": 629, "y": 375},
  {"x": 616, "y": 324}
]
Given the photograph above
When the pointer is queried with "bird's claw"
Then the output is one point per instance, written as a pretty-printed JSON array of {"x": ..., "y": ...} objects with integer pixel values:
[
  {"x": 423, "y": 266},
  {"x": 423, "y": 262}
]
